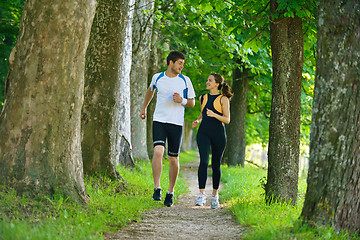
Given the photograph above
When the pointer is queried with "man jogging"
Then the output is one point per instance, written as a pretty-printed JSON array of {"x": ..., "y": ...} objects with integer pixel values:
[{"x": 174, "y": 92}]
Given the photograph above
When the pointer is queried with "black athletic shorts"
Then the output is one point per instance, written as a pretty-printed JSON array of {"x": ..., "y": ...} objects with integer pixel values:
[{"x": 171, "y": 132}]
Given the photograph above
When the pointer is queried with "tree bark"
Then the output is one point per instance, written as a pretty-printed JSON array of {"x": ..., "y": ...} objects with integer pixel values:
[
  {"x": 284, "y": 129},
  {"x": 154, "y": 67},
  {"x": 101, "y": 117},
  {"x": 236, "y": 139},
  {"x": 188, "y": 137},
  {"x": 334, "y": 168},
  {"x": 40, "y": 148},
  {"x": 124, "y": 113},
  {"x": 142, "y": 32}
]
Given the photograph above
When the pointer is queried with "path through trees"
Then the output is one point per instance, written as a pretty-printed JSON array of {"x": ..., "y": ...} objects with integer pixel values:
[{"x": 185, "y": 220}]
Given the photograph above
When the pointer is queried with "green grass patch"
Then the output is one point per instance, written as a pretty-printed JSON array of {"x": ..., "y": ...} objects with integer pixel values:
[
  {"x": 112, "y": 205},
  {"x": 244, "y": 193},
  {"x": 188, "y": 156}
]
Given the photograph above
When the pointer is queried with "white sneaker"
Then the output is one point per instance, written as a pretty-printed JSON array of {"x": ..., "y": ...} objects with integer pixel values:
[
  {"x": 201, "y": 200},
  {"x": 214, "y": 201}
]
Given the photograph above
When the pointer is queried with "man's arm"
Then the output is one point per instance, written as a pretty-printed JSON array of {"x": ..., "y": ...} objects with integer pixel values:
[
  {"x": 178, "y": 99},
  {"x": 148, "y": 96}
]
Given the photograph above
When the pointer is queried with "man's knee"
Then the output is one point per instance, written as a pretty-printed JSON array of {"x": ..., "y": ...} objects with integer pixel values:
[
  {"x": 173, "y": 160},
  {"x": 158, "y": 152}
]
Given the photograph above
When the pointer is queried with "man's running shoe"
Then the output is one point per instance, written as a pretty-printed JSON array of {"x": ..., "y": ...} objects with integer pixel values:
[
  {"x": 169, "y": 200},
  {"x": 201, "y": 200},
  {"x": 157, "y": 194},
  {"x": 214, "y": 201}
]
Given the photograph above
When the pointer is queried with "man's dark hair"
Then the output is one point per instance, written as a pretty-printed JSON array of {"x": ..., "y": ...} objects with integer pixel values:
[{"x": 174, "y": 56}]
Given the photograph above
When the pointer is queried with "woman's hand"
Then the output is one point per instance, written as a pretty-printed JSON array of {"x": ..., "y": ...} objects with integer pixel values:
[
  {"x": 195, "y": 123},
  {"x": 210, "y": 113}
]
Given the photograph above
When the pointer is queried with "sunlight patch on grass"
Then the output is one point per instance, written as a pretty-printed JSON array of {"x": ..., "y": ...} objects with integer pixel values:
[{"x": 245, "y": 195}]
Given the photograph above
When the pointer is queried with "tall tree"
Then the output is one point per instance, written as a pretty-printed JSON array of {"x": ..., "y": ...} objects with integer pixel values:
[
  {"x": 101, "y": 142},
  {"x": 123, "y": 111},
  {"x": 141, "y": 40},
  {"x": 40, "y": 149},
  {"x": 287, "y": 46},
  {"x": 236, "y": 143},
  {"x": 154, "y": 67},
  {"x": 334, "y": 170}
]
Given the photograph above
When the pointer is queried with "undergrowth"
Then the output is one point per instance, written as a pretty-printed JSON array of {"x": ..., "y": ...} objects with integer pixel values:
[
  {"x": 112, "y": 205},
  {"x": 244, "y": 194}
]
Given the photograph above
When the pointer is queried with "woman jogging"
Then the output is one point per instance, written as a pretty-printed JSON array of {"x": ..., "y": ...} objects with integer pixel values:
[{"x": 215, "y": 111}]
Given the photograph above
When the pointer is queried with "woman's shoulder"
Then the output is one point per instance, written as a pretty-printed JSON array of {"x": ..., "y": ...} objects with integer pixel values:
[
  {"x": 224, "y": 98},
  {"x": 203, "y": 95}
]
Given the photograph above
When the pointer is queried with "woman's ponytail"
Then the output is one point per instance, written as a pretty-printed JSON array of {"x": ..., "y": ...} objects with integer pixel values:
[
  {"x": 226, "y": 91},
  {"x": 223, "y": 86}
]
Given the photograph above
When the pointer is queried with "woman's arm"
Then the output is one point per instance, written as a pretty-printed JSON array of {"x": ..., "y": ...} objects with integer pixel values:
[
  {"x": 225, "y": 118},
  {"x": 196, "y": 122}
]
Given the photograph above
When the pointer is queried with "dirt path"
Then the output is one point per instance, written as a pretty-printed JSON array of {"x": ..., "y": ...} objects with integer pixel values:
[{"x": 185, "y": 220}]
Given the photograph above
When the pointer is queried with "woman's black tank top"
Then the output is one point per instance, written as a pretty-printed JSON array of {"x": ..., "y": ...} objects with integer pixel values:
[{"x": 213, "y": 103}]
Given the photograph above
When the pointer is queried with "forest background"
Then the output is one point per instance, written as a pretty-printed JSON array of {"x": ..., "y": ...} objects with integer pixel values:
[
  {"x": 59, "y": 121},
  {"x": 214, "y": 36}
]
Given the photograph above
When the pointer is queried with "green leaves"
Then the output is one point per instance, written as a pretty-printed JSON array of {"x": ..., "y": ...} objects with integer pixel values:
[
  {"x": 205, "y": 8},
  {"x": 214, "y": 33},
  {"x": 10, "y": 14},
  {"x": 300, "y": 8}
]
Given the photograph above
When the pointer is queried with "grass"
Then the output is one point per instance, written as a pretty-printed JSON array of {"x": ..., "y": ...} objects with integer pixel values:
[
  {"x": 244, "y": 194},
  {"x": 188, "y": 156},
  {"x": 113, "y": 204}
]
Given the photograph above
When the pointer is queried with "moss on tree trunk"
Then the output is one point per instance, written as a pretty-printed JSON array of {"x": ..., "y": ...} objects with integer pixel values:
[{"x": 334, "y": 168}]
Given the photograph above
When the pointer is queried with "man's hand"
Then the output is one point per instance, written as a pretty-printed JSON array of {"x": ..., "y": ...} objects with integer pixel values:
[
  {"x": 177, "y": 98},
  {"x": 143, "y": 114}
]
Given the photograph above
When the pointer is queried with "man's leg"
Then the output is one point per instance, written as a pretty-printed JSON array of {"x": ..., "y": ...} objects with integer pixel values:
[
  {"x": 157, "y": 164},
  {"x": 173, "y": 172},
  {"x": 174, "y": 139},
  {"x": 159, "y": 138}
]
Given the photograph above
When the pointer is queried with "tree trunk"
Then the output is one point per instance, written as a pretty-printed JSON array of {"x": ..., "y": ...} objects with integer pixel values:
[
  {"x": 187, "y": 140},
  {"x": 284, "y": 129},
  {"x": 334, "y": 168},
  {"x": 40, "y": 148},
  {"x": 236, "y": 140},
  {"x": 102, "y": 140},
  {"x": 124, "y": 113},
  {"x": 141, "y": 41},
  {"x": 154, "y": 67}
]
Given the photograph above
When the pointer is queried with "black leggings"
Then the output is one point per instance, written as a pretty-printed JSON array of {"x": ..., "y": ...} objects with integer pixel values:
[{"x": 216, "y": 138}]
